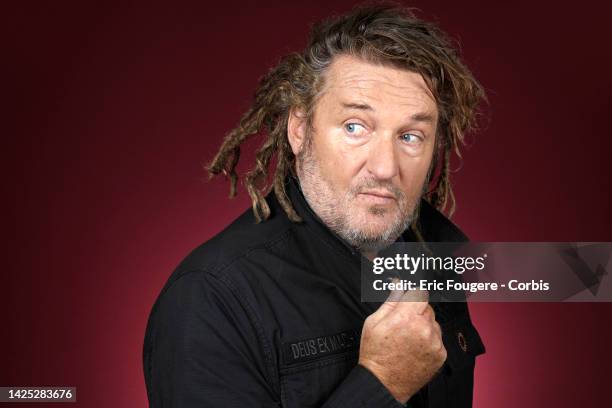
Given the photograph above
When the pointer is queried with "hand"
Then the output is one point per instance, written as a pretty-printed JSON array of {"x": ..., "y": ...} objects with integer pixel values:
[{"x": 401, "y": 343}]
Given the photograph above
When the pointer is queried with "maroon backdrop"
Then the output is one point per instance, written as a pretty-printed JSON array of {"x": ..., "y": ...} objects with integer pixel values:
[{"x": 112, "y": 109}]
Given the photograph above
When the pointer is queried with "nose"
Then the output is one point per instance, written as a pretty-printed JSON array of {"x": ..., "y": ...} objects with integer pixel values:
[{"x": 382, "y": 158}]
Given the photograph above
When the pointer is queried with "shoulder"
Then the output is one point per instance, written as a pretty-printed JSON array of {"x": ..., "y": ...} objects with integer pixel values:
[
  {"x": 243, "y": 237},
  {"x": 204, "y": 289},
  {"x": 204, "y": 285}
]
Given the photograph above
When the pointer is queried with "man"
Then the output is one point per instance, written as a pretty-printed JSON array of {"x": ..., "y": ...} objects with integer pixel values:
[{"x": 268, "y": 312}]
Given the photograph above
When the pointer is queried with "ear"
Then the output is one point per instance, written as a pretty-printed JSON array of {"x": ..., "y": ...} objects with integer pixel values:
[{"x": 296, "y": 129}]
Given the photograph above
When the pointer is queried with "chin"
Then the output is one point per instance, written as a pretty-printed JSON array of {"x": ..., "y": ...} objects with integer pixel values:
[
  {"x": 374, "y": 229},
  {"x": 378, "y": 218}
]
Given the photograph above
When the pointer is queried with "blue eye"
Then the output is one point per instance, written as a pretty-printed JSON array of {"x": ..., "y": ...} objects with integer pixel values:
[
  {"x": 406, "y": 137},
  {"x": 352, "y": 127}
]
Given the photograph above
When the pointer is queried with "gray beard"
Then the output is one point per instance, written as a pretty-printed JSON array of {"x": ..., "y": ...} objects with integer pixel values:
[{"x": 317, "y": 191}]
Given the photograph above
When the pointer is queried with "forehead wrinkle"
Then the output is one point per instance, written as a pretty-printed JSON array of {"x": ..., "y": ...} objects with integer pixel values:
[
  {"x": 405, "y": 93},
  {"x": 408, "y": 99},
  {"x": 358, "y": 84}
]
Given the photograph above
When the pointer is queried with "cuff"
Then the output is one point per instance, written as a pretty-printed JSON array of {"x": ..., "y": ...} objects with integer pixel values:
[{"x": 361, "y": 388}]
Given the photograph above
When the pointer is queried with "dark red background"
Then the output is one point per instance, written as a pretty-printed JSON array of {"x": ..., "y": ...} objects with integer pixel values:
[{"x": 113, "y": 108}]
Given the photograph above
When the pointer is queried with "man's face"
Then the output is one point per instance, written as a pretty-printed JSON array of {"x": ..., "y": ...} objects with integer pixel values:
[{"x": 363, "y": 165}]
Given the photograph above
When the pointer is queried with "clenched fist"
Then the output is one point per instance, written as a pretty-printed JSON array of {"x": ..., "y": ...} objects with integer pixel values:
[{"x": 401, "y": 343}]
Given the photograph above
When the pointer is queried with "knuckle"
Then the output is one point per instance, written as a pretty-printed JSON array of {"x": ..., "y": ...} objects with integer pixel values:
[
  {"x": 373, "y": 318},
  {"x": 425, "y": 332},
  {"x": 400, "y": 320},
  {"x": 443, "y": 353},
  {"x": 402, "y": 316},
  {"x": 369, "y": 324},
  {"x": 437, "y": 348}
]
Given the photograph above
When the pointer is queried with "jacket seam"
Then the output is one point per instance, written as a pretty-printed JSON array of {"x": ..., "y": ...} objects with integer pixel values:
[
  {"x": 153, "y": 331},
  {"x": 266, "y": 348},
  {"x": 265, "y": 245},
  {"x": 250, "y": 314},
  {"x": 218, "y": 274}
]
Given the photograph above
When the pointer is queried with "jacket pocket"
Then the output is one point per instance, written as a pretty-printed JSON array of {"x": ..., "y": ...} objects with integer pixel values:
[{"x": 312, "y": 368}]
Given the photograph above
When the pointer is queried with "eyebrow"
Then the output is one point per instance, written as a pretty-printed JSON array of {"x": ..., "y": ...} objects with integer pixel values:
[
  {"x": 422, "y": 117},
  {"x": 416, "y": 117},
  {"x": 358, "y": 106}
]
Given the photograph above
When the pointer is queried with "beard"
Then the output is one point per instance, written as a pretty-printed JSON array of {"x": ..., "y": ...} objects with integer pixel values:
[{"x": 369, "y": 231}]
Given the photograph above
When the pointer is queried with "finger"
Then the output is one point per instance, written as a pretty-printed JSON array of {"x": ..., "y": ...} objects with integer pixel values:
[
  {"x": 415, "y": 300},
  {"x": 392, "y": 300},
  {"x": 416, "y": 295},
  {"x": 395, "y": 295},
  {"x": 429, "y": 313},
  {"x": 438, "y": 331}
]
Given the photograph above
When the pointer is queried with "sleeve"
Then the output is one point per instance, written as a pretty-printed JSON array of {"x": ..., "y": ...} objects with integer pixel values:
[
  {"x": 363, "y": 389},
  {"x": 201, "y": 350}
]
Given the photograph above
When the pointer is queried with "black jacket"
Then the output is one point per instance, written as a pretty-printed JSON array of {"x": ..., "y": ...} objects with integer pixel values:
[{"x": 269, "y": 315}]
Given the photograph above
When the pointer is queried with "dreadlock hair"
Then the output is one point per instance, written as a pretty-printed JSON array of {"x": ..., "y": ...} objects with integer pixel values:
[{"x": 383, "y": 34}]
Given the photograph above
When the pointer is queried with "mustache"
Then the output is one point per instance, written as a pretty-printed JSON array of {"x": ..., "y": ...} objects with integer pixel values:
[{"x": 373, "y": 184}]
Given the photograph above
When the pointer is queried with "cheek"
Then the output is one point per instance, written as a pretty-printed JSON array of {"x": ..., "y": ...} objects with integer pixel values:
[
  {"x": 339, "y": 161},
  {"x": 412, "y": 174}
]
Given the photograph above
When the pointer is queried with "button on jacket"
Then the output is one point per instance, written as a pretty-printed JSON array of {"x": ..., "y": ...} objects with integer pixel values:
[{"x": 269, "y": 315}]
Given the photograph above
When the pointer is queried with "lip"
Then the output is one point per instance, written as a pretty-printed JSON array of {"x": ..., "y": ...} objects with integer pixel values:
[
  {"x": 378, "y": 197},
  {"x": 378, "y": 193}
]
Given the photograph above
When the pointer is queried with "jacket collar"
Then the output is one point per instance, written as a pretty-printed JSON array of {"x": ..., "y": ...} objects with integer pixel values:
[{"x": 433, "y": 225}]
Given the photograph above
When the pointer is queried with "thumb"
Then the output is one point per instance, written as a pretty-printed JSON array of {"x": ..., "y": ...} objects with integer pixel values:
[
  {"x": 415, "y": 300},
  {"x": 394, "y": 297}
]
